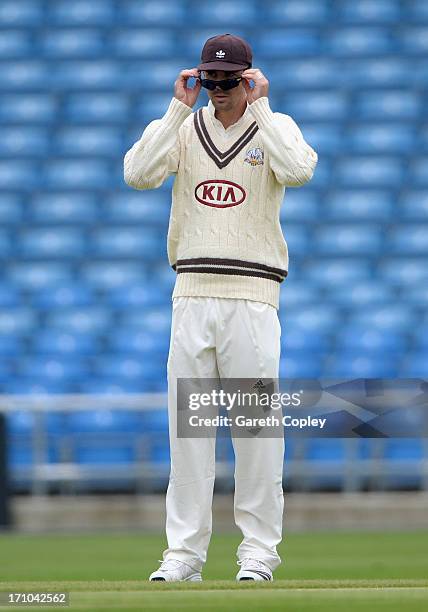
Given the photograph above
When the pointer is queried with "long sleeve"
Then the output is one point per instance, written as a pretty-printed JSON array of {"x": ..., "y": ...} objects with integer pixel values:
[
  {"x": 292, "y": 160},
  {"x": 156, "y": 155}
]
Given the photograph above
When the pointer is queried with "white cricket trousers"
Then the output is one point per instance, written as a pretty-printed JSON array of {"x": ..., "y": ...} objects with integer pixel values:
[{"x": 232, "y": 338}]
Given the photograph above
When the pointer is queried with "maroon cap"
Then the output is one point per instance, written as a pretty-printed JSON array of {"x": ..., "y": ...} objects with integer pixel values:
[{"x": 226, "y": 52}]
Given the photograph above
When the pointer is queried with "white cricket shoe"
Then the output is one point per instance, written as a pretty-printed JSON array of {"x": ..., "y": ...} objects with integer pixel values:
[
  {"x": 252, "y": 569},
  {"x": 174, "y": 570}
]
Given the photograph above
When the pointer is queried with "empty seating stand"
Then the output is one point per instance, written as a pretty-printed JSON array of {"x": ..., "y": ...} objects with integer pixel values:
[{"x": 85, "y": 298}]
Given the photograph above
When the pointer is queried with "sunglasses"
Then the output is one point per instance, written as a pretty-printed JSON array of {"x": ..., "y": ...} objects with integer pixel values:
[{"x": 225, "y": 85}]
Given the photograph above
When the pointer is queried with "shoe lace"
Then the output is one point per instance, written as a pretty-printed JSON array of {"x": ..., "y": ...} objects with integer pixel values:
[
  {"x": 250, "y": 563},
  {"x": 169, "y": 564}
]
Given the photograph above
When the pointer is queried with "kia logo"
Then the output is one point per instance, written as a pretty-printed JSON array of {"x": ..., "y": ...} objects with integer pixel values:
[{"x": 220, "y": 194}]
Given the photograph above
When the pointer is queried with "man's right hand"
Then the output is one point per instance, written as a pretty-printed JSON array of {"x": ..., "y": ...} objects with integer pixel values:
[{"x": 184, "y": 93}]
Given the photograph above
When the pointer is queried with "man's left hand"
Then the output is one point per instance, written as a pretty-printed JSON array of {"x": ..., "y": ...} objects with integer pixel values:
[{"x": 261, "y": 84}]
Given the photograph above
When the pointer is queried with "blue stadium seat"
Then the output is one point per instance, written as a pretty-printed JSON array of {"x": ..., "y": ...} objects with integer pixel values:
[
  {"x": 24, "y": 142},
  {"x": 317, "y": 318},
  {"x": 418, "y": 172},
  {"x": 146, "y": 207},
  {"x": 370, "y": 171},
  {"x": 36, "y": 385},
  {"x": 159, "y": 12},
  {"x": 129, "y": 367},
  {"x": 162, "y": 73},
  {"x": 155, "y": 320},
  {"x": 90, "y": 319},
  {"x": 66, "y": 174},
  {"x": 298, "y": 364},
  {"x": 109, "y": 385},
  {"x": 400, "y": 105},
  {"x": 147, "y": 109},
  {"x": 96, "y": 107},
  {"x": 362, "y": 365},
  {"x": 11, "y": 209},
  {"x": 329, "y": 272},
  {"x": 414, "y": 40},
  {"x": 128, "y": 242},
  {"x": 9, "y": 295},
  {"x": 105, "y": 436},
  {"x": 362, "y": 293},
  {"x": 86, "y": 74},
  {"x": 74, "y": 208},
  {"x": 415, "y": 295},
  {"x": 22, "y": 175},
  {"x": 36, "y": 275},
  {"x": 295, "y": 12},
  {"x": 368, "y": 11},
  {"x": 299, "y": 341},
  {"x": 325, "y": 139},
  {"x": 105, "y": 420},
  {"x": 62, "y": 342},
  {"x": 394, "y": 317},
  {"x": 7, "y": 369},
  {"x": 417, "y": 11},
  {"x": 164, "y": 276},
  {"x": 156, "y": 43},
  {"x": 63, "y": 295},
  {"x": 415, "y": 364},
  {"x": 360, "y": 205},
  {"x": 111, "y": 274},
  {"x": 317, "y": 72},
  {"x": 379, "y": 72},
  {"x": 15, "y": 43},
  {"x": 348, "y": 239},
  {"x": 17, "y": 320},
  {"x": 405, "y": 459},
  {"x": 360, "y": 41},
  {"x": 297, "y": 292},
  {"x": 223, "y": 12},
  {"x": 300, "y": 205},
  {"x": 420, "y": 337},
  {"x": 82, "y": 12},
  {"x": 82, "y": 141},
  {"x": 23, "y": 13},
  {"x": 53, "y": 242},
  {"x": 28, "y": 108},
  {"x": 73, "y": 43},
  {"x": 403, "y": 270},
  {"x": 128, "y": 339},
  {"x": 423, "y": 138},
  {"x": 52, "y": 368},
  {"x": 280, "y": 43},
  {"x": 331, "y": 454},
  {"x": 5, "y": 243},
  {"x": 371, "y": 339},
  {"x": 318, "y": 106},
  {"x": 136, "y": 295},
  {"x": 388, "y": 139},
  {"x": 11, "y": 345},
  {"x": 24, "y": 74},
  {"x": 408, "y": 239},
  {"x": 298, "y": 237}
]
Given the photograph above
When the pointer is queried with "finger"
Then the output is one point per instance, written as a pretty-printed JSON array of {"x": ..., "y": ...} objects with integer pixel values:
[{"x": 247, "y": 86}]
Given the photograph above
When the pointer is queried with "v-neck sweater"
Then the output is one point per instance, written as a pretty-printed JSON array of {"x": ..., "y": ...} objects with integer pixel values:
[{"x": 224, "y": 236}]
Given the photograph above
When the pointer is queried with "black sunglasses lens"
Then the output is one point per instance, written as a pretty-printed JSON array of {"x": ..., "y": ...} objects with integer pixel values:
[
  {"x": 208, "y": 84},
  {"x": 224, "y": 85}
]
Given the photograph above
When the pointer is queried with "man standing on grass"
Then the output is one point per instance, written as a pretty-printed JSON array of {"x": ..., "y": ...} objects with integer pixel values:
[{"x": 232, "y": 160}]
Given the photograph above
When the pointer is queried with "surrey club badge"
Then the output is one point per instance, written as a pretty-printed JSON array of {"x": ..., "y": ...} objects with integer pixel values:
[{"x": 254, "y": 157}]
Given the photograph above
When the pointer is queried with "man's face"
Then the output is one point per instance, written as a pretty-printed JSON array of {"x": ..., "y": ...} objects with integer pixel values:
[{"x": 224, "y": 100}]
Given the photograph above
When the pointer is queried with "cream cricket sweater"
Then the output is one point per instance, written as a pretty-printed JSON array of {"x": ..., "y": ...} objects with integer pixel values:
[{"x": 224, "y": 236}]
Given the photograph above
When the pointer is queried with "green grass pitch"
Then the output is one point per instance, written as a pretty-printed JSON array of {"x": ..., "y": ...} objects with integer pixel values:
[{"x": 320, "y": 571}]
